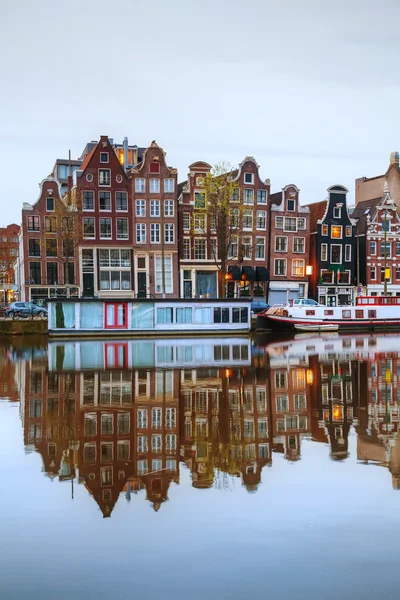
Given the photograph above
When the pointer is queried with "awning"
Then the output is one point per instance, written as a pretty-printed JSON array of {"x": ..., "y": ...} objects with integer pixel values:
[
  {"x": 249, "y": 272},
  {"x": 262, "y": 274},
  {"x": 236, "y": 273}
]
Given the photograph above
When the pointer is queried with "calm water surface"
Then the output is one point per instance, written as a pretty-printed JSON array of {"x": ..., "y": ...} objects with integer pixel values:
[{"x": 218, "y": 468}]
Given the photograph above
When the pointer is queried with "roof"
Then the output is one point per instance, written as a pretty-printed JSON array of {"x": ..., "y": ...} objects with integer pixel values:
[
  {"x": 276, "y": 198},
  {"x": 87, "y": 159},
  {"x": 180, "y": 187},
  {"x": 364, "y": 209},
  {"x": 317, "y": 211}
]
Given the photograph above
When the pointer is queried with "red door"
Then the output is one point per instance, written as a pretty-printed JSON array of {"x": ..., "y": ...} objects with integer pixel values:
[{"x": 116, "y": 315}]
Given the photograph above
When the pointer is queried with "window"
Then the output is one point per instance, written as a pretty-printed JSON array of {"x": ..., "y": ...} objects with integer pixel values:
[
  {"x": 154, "y": 186},
  {"x": 88, "y": 227},
  {"x": 33, "y": 223},
  {"x": 386, "y": 249},
  {"x": 140, "y": 185},
  {"x": 213, "y": 249},
  {"x": 124, "y": 423},
  {"x": 170, "y": 442},
  {"x": 290, "y": 224},
  {"x": 278, "y": 222},
  {"x": 199, "y": 199},
  {"x": 347, "y": 253},
  {"x": 262, "y": 196},
  {"x": 385, "y": 224},
  {"x": 260, "y": 248},
  {"x": 336, "y": 254},
  {"x": 261, "y": 219},
  {"x": 90, "y": 424},
  {"x": 235, "y": 195},
  {"x": 121, "y": 201},
  {"x": 141, "y": 443},
  {"x": 52, "y": 273},
  {"x": 372, "y": 272},
  {"x": 235, "y": 218},
  {"x": 186, "y": 221},
  {"x": 336, "y": 231},
  {"x": 50, "y": 224},
  {"x": 298, "y": 268},
  {"x": 35, "y": 274},
  {"x": 155, "y": 233},
  {"x": 105, "y": 229},
  {"x": 348, "y": 230},
  {"x": 301, "y": 223},
  {"x": 372, "y": 314},
  {"x": 169, "y": 233},
  {"x": 105, "y": 201},
  {"x": 282, "y": 403},
  {"x": 140, "y": 233},
  {"x": 248, "y": 219},
  {"x": 372, "y": 248},
  {"x": 186, "y": 249},
  {"x": 233, "y": 248},
  {"x": 200, "y": 249},
  {"x": 247, "y": 247},
  {"x": 168, "y": 208},
  {"x": 337, "y": 212},
  {"x": 33, "y": 247},
  {"x": 248, "y": 178},
  {"x": 359, "y": 314},
  {"x": 169, "y": 185},
  {"x": 154, "y": 208},
  {"x": 280, "y": 266},
  {"x": 248, "y": 196},
  {"x": 69, "y": 272},
  {"x": 122, "y": 229},
  {"x": 104, "y": 177},
  {"x": 170, "y": 418},
  {"x": 299, "y": 244},
  {"x": 142, "y": 418},
  {"x": 324, "y": 252},
  {"x": 140, "y": 208},
  {"x": 156, "y": 418},
  {"x": 397, "y": 273},
  {"x": 104, "y": 157},
  {"x": 167, "y": 274},
  {"x": 281, "y": 244},
  {"x": 50, "y": 204},
  {"x": 87, "y": 200},
  {"x": 291, "y": 205},
  {"x": 199, "y": 222},
  {"x": 324, "y": 230}
]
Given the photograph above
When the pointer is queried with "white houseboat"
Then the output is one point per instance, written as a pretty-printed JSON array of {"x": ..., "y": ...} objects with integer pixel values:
[
  {"x": 144, "y": 317},
  {"x": 369, "y": 312}
]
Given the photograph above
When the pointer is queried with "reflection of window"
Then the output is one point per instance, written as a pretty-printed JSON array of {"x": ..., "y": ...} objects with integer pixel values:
[
  {"x": 282, "y": 403},
  {"x": 281, "y": 379}
]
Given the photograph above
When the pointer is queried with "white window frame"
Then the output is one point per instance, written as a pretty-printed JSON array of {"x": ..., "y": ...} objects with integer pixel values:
[
  {"x": 167, "y": 184},
  {"x": 263, "y": 192},
  {"x": 139, "y": 205},
  {"x": 141, "y": 228},
  {"x": 301, "y": 263},
  {"x": 324, "y": 252},
  {"x": 341, "y": 232},
  {"x": 155, "y": 233},
  {"x": 281, "y": 237},
  {"x": 251, "y": 182},
  {"x": 155, "y": 208},
  {"x": 257, "y": 244},
  {"x": 279, "y": 220},
  {"x": 284, "y": 261},
  {"x": 295, "y": 239},
  {"x": 339, "y": 262},
  {"x": 264, "y": 218},
  {"x": 104, "y": 162},
  {"x": 372, "y": 253},
  {"x": 89, "y": 237},
  {"x": 301, "y": 224},
  {"x": 347, "y": 253},
  {"x": 186, "y": 221},
  {"x": 337, "y": 212},
  {"x": 250, "y": 214},
  {"x": 203, "y": 241},
  {"x": 126, "y": 197},
  {"x": 169, "y": 233},
  {"x": 154, "y": 185},
  {"x": 110, "y": 237},
  {"x": 248, "y": 196},
  {"x": 118, "y": 236},
  {"x": 169, "y": 208},
  {"x": 100, "y": 174},
  {"x": 140, "y": 185},
  {"x": 187, "y": 246},
  {"x": 286, "y": 219}
]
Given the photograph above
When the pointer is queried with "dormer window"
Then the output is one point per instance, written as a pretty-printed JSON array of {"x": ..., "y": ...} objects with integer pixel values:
[
  {"x": 249, "y": 178},
  {"x": 104, "y": 157},
  {"x": 154, "y": 167},
  {"x": 50, "y": 204},
  {"x": 337, "y": 212},
  {"x": 291, "y": 205}
]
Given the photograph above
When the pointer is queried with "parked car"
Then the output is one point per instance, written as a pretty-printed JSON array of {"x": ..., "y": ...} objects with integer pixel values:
[
  {"x": 25, "y": 309},
  {"x": 257, "y": 306}
]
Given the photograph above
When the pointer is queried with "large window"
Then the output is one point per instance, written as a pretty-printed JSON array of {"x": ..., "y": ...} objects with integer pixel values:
[
  {"x": 299, "y": 244},
  {"x": 290, "y": 224},
  {"x": 122, "y": 229},
  {"x": 155, "y": 233},
  {"x": 50, "y": 224},
  {"x": 298, "y": 268},
  {"x": 154, "y": 186},
  {"x": 105, "y": 200},
  {"x": 199, "y": 199},
  {"x": 52, "y": 273},
  {"x": 104, "y": 177},
  {"x": 262, "y": 196},
  {"x": 154, "y": 208},
  {"x": 167, "y": 274},
  {"x": 248, "y": 219},
  {"x": 169, "y": 185},
  {"x": 115, "y": 280},
  {"x": 140, "y": 233},
  {"x": 235, "y": 218},
  {"x": 199, "y": 222},
  {"x": 336, "y": 254},
  {"x": 51, "y": 247},
  {"x": 169, "y": 233},
  {"x": 247, "y": 247},
  {"x": 336, "y": 231},
  {"x": 87, "y": 200},
  {"x": 280, "y": 266},
  {"x": 233, "y": 248},
  {"x": 140, "y": 208},
  {"x": 168, "y": 208},
  {"x": 186, "y": 249},
  {"x": 33, "y": 247},
  {"x": 105, "y": 229},
  {"x": 248, "y": 196},
  {"x": 281, "y": 244},
  {"x": 261, "y": 219},
  {"x": 121, "y": 201},
  {"x": 35, "y": 274},
  {"x": 115, "y": 269},
  {"x": 260, "y": 247},
  {"x": 200, "y": 249},
  {"x": 140, "y": 185},
  {"x": 88, "y": 228},
  {"x": 33, "y": 223},
  {"x": 386, "y": 249},
  {"x": 186, "y": 221}
]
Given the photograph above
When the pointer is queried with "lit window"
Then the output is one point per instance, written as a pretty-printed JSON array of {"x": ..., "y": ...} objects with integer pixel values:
[
  {"x": 298, "y": 268},
  {"x": 336, "y": 231},
  {"x": 324, "y": 230}
]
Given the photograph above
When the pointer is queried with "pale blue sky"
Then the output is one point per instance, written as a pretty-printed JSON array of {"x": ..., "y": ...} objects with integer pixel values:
[{"x": 309, "y": 88}]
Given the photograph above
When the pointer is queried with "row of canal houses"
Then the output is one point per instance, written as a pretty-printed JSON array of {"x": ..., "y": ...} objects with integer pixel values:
[{"x": 139, "y": 235}]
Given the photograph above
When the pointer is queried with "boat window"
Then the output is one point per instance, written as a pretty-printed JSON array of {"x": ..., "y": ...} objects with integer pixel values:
[
  {"x": 372, "y": 314},
  {"x": 346, "y": 314},
  {"x": 359, "y": 314},
  {"x": 328, "y": 313},
  {"x": 310, "y": 312}
]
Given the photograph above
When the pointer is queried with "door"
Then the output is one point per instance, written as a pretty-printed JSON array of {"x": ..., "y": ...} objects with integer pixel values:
[
  {"x": 88, "y": 284},
  {"x": 142, "y": 285},
  {"x": 187, "y": 289},
  {"x": 116, "y": 315}
]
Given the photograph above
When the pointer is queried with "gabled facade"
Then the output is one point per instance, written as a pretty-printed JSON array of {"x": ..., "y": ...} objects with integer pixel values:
[
  {"x": 9, "y": 241},
  {"x": 247, "y": 256},
  {"x": 102, "y": 194},
  {"x": 368, "y": 188},
  {"x": 332, "y": 255},
  {"x": 378, "y": 230},
  {"x": 43, "y": 271},
  {"x": 155, "y": 225},
  {"x": 289, "y": 246}
]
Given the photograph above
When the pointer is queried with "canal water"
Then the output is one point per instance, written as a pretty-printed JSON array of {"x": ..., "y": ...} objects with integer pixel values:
[{"x": 211, "y": 468}]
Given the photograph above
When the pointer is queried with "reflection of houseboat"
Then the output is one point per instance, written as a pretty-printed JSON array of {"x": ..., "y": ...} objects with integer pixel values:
[
  {"x": 68, "y": 317},
  {"x": 162, "y": 353},
  {"x": 370, "y": 312}
]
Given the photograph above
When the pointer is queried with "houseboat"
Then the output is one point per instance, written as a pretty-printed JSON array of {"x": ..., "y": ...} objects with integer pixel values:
[
  {"x": 369, "y": 312},
  {"x": 145, "y": 317},
  {"x": 187, "y": 353}
]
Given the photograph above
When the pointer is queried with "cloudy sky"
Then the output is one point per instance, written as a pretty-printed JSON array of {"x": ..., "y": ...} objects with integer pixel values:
[{"x": 310, "y": 89}]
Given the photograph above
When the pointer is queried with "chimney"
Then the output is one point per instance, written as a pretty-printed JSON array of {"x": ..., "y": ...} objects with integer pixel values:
[
  {"x": 69, "y": 180},
  {"x": 125, "y": 145},
  {"x": 394, "y": 159}
]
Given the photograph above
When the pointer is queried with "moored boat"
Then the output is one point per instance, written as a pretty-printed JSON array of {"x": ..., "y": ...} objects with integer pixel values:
[
  {"x": 369, "y": 312},
  {"x": 316, "y": 328}
]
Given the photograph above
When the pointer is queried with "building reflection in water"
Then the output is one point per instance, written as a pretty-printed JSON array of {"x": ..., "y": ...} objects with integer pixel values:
[{"x": 119, "y": 417}]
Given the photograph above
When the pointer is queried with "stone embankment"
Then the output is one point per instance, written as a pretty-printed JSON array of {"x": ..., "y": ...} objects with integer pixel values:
[{"x": 26, "y": 326}]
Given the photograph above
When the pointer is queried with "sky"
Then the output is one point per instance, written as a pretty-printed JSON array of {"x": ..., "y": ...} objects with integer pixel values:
[{"x": 310, "y": 89}]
